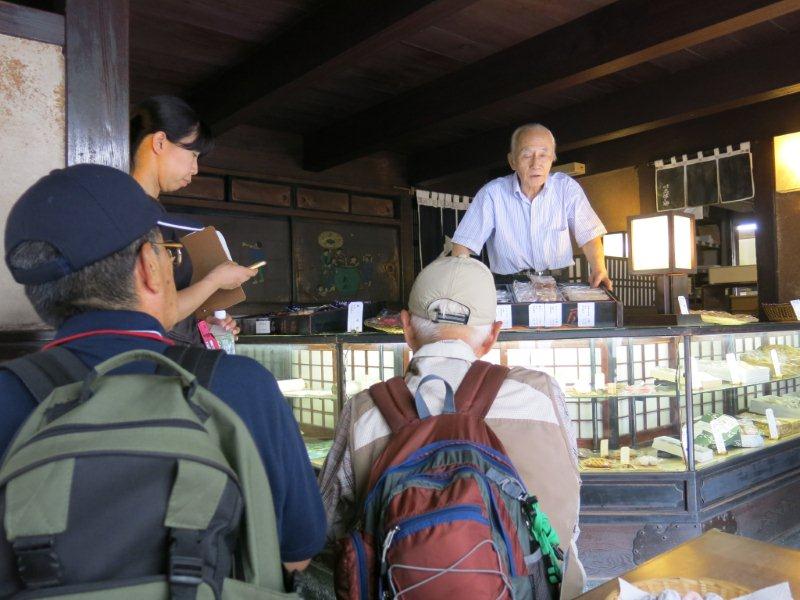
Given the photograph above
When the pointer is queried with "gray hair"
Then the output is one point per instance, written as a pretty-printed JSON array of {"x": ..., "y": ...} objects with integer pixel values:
[
  {"x": 529, "y": 127},
  {"x": 104, "y": 285},
  {"x": 428, "y": 332}
]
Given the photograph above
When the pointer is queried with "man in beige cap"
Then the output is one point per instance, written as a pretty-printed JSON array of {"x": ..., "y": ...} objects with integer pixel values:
[{"x": 450, "y": 323}]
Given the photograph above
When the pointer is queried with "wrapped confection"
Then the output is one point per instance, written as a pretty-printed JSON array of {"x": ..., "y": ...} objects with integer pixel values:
[
  {"x": 540, "y": 288},
  {"x": 788, "y": 358},
  {"x": 504, "y": 296},
  {"x": 785, "y": 406},
  {"x": 786, "y": 427},
  {"x": 583, "y": 293},
  {"x": 727, "y": 426}
]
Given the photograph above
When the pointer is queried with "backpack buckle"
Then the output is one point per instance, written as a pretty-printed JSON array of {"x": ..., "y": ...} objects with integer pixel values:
[
  {"x": 185, "y": 567},
  {"x": 37, "y": 561},
  {"x": 185, "y": 570}
]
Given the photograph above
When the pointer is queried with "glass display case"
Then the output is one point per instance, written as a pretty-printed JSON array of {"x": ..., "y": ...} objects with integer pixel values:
[
  {"x": 308, "y": 376},
  {"x": 746, "y": 380},
  {"x": 625, "y": 394}
]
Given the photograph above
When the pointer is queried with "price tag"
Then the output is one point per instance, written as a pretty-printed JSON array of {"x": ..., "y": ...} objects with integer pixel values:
[
  {"x": 263, "y": 326},
  {"x": 796, "y": 307},
  {"x": 585, "y": 314},
  {"x": 355, "y": 317},
  {"x": 625, "y": 455},
  {"x": 603, "y": 447},
  {"x": 683, "y": 305},
  {"x": 772, "y": 424},
  {"x": 718, "y": 441},
  {"x": 504, "y": 315},
  {"x": 733, "y": 367},
  {"x": 537, "y": 315},
  {"x": 552, "y": 314},
  {"x": 776, "y": 365}
]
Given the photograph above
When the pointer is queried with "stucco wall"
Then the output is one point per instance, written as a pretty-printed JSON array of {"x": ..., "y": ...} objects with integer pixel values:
[{"x": 32, "y": 140}]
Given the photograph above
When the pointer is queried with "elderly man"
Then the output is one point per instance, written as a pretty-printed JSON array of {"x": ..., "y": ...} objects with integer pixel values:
[
  {"x": 85, "y": 241},
  {"x": 451, "y": 323},
  {"x": 525, "y": 218}
]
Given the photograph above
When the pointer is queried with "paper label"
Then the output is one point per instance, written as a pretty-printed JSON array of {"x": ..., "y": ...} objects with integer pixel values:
[
  {"x": 504, "y": 315},
  {"x": 536, "y": 315},
  {"x": 796, "y": 307},
  {"x": 209, "y": 340},
  {"x": 772, "y": 424},
  {"x": 585, "y": 314},
  {"x": 683, "y": 305},
  {"x": 355, "y": 317},
  {"x": 776, "y": 365},
  {"x": 552, "y": 314},
  {"x": 718, "y": 441},
  {"x": 733, "y": 367},
  {"x": 625, "y": 455},
  {"x": 263, "y": 326},
  {"x": 604, "y": 448}
]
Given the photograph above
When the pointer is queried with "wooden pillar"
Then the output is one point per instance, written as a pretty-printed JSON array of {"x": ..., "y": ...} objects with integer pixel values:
[
  {"x": 97, "y": 82},
  {"x": 406, "y": 245},
  {"x": 766, "y": 240}
]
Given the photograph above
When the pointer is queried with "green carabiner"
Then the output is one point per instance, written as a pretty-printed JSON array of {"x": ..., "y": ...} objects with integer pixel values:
[{"x": 547, "y": 538}]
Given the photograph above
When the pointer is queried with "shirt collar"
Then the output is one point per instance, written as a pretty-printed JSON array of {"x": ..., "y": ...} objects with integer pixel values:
[
  {"x": 125, "y": 320},
  {"x": 518, "y": 193},
  {"x": 447, "y": 349}
]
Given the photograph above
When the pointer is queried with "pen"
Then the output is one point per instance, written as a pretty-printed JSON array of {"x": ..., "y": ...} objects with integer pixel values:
[{"x": 257, "y": 265}]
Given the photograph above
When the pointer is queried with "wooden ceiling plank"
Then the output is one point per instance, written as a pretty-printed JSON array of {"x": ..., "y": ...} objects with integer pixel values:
[
  {"x": 613, "y": 38},
  {"x": 747, "y": 77},
  {"x": 333, "y": 37}
]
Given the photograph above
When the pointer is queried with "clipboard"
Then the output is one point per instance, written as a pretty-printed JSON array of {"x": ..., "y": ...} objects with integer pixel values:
[{"x": 206, "y": 249}]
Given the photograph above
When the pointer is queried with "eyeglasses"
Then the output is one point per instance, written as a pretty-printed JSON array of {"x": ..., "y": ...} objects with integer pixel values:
[{"x": 175, "y": 250}]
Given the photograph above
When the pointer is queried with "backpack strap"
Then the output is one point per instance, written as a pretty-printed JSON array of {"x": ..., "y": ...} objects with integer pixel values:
[
  {"x": 42, "y": 372},
  {"x": 395, "y": 402},
  {"x": 399, "y": 407},
  {"x": 199, "y": 362},
  {"x": 479, "y": 388}
]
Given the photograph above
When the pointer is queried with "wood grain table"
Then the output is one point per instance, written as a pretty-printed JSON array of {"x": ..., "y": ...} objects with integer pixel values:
[{"x": 719, "y": 556}]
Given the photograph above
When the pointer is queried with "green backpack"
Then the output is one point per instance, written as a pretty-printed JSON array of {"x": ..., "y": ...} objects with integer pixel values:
[{"x": 138, "y": 487}]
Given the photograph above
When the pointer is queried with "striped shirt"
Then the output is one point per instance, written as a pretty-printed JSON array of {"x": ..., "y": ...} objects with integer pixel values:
[{"x": 523, "y": 234}]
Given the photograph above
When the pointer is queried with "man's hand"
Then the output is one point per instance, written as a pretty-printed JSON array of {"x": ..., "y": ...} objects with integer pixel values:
[
  {"x": 230, "y": 275},
  {"x": 601, "y": 278},
  {"x": 229, "y": 323},
  {"x": 593, "y": 249}
]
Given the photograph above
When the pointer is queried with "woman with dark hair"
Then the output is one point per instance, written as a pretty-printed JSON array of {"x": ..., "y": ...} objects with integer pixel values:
[{"x": 167, "y": 138}]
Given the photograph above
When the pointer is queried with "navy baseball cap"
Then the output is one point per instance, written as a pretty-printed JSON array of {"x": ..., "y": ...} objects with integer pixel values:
[{"x": 87, "y": 212}]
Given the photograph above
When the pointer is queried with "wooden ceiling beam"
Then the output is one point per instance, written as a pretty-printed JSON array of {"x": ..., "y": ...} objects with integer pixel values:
[
  {"x": 747, "y": 77},
  {"x": 338, "y": 34},
  {"x": 608, "y": 40}
]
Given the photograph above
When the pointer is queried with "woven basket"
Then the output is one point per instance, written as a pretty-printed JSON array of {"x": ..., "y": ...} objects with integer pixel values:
[
  {"x": 782, "y": 311},
  {"x": 726, "y": 589}
]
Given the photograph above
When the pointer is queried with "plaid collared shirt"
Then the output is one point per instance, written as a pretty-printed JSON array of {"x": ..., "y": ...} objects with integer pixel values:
[{"x": 449, "y": 359}]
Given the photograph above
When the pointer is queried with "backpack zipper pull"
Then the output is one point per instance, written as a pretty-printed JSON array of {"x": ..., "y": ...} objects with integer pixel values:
[{"x": 388, "y": 542}]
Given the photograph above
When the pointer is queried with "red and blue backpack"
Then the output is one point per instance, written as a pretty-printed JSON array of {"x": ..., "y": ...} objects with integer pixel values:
[{"x": 446, "y": 513}]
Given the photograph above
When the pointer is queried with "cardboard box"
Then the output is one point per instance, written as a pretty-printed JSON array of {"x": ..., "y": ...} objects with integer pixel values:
[{"x": 738, "y": 274}]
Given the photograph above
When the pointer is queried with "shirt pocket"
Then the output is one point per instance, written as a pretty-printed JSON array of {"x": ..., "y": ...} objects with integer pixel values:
[{"x": 557, "y": 247}]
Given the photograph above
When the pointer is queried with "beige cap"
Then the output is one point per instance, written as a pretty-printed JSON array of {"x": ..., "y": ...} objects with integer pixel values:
[{"x": 462, "y": 280}]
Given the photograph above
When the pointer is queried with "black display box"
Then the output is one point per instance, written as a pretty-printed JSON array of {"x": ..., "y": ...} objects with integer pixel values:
[{"x": 607, "y": 313}]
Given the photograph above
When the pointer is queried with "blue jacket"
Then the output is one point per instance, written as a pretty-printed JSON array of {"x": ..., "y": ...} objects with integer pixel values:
[{"x": 240, "y": 382}]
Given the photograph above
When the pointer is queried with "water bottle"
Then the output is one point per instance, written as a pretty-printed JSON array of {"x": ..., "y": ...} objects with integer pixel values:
[{"x": 224, "y": 337}]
